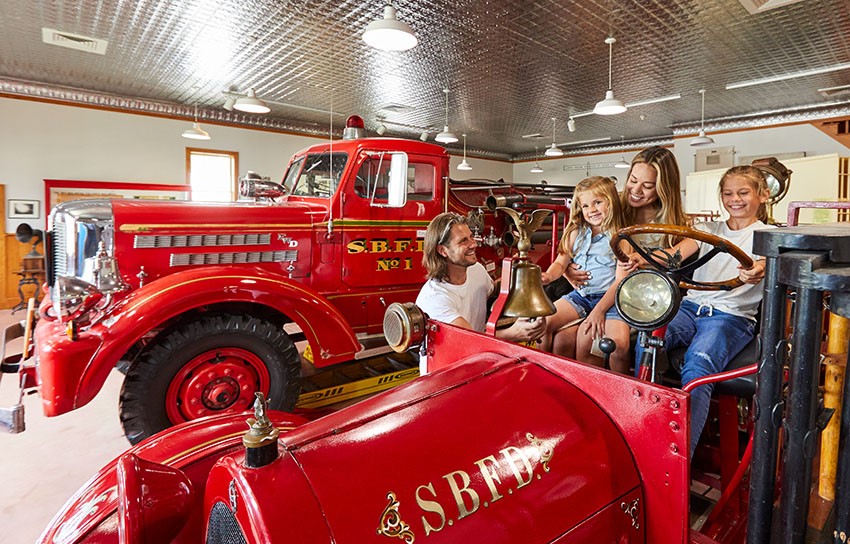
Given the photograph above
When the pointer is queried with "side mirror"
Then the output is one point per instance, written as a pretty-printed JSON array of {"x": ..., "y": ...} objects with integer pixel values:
[{"x": 397, "y": 190}]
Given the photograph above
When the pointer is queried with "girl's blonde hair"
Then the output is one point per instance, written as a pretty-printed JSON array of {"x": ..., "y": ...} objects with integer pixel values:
[
  {"x": 668, "y": 207},
  {"x": 755, "y": 178},
  {"x": 601, "y": 187}
]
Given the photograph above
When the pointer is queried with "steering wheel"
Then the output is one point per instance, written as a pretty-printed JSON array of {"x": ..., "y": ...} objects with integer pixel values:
[{"x": 670, "y": 264}]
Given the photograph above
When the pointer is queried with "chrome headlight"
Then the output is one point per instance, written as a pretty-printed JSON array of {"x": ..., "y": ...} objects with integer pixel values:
[
  {"x": 74, "y": 298},
  {"x": 404, "y": 326},
  {"x": 647, "y": 299}
]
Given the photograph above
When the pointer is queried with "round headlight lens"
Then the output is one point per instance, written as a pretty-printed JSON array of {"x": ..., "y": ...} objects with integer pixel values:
[
  {"x": 647, "y": 299},
  {"x": 404, "y": 326}
]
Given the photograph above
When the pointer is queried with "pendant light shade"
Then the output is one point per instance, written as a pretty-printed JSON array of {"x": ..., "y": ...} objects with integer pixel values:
[
  {"x": 389, "y": 34},
  {"x": 610, "y": 105},
  {"x": 702, "y": 139},
  {"x": 251, "y": 104},
  {"x": 536, "y": 168},
  {"x": 464, "y": 165},
  {"x": 571, "y": 125},
  {"x": 196, "y": 132},
  {"x": 554, "y": 150},
  {"x": 622, "y": 162},
  {"x": 446, "y": 137}
]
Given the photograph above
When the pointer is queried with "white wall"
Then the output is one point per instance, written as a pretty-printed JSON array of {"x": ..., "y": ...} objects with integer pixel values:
[
  {"x": 764, "y": 142},
  {"x": 48, "y": 141}
]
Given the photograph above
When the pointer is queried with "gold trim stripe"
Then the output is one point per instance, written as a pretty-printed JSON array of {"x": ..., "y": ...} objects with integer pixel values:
[{"x": 196, "y": 447}]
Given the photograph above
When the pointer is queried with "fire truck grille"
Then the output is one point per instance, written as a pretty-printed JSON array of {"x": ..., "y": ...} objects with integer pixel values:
[
  {"x": 248, "y": 257},
  {"x": 201, "y": 240},
  {"x": 222, "y": 527},
  {"x": 60, "y": 259}
]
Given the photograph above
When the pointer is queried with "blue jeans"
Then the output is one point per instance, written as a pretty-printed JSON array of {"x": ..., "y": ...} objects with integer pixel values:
[
  {"x": 584, "y": 304},
  {"x": 713, "y": 339}
]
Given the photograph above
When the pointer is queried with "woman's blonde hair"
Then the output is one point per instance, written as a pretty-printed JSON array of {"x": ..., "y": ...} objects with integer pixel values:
[
  {"x": 601, "y": 187},
  {"x": 668, "y": 207},
  {"x": 756, "y": 180},
  {"x": 439, "y": 233}
]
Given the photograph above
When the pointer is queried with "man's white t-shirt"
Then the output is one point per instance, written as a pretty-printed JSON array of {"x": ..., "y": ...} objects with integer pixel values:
[
  {"x": 445, "y": 302},
  {"x": 741, "y": 301}
]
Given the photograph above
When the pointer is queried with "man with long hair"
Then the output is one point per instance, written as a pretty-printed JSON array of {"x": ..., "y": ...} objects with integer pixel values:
[{"x": 458, "y": 285}]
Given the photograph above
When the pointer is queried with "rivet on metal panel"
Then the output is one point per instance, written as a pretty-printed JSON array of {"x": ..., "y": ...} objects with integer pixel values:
[
  {"x": 636, "y": 393},
  {"x": 674, "y": 448},
  {"x": 655, "y": 398},
  {"x": 674, "y": 404},
  {"x": 674, "y": 426}
]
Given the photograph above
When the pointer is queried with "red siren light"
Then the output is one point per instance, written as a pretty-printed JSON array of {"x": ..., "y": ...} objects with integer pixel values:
[
  {"x": 354, "y": 128},
  {"x": 354, "y": 121}
]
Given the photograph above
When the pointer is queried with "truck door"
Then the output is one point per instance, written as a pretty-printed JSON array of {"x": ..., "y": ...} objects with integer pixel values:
[{"x": 382, "y": 247}]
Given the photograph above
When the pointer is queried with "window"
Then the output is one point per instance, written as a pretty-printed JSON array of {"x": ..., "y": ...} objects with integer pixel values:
[
  {"x": 372, "y": 180},
  {"x": 316, "y": 175},
  {"x": 212, "y": 174}
]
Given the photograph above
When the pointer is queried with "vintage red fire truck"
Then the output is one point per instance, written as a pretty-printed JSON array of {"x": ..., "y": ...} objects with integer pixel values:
[
  {"x": 499, "y": 443},
  {"x": 198, "y": 300}
]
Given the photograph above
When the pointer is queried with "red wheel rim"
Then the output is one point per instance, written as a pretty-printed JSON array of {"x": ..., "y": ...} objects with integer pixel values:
[{"x": 218, "y": 381}]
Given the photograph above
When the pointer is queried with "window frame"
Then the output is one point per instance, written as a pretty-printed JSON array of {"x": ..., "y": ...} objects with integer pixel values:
[{"x": 234, "y": 174}]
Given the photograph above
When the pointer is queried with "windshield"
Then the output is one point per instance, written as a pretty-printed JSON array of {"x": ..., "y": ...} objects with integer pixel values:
[{"x": 315, "y": 175}]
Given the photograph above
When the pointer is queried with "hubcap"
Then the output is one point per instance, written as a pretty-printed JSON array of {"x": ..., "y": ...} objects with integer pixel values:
[{"x": 219, "y": 381}]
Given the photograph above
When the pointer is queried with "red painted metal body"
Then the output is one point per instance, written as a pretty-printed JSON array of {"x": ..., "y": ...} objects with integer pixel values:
[
  {"x": 339, "y": 261},
  {"x": 504, "y": 444}
]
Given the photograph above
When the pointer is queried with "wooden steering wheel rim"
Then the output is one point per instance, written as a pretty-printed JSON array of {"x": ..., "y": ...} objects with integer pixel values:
[{"x": 685, "y": 232}]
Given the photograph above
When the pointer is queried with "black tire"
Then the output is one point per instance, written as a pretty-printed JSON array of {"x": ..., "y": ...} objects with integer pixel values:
[{"x": 193, "y": 351}]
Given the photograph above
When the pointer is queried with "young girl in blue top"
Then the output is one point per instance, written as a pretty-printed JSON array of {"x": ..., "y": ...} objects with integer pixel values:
[{"x": 595, "y": 215}]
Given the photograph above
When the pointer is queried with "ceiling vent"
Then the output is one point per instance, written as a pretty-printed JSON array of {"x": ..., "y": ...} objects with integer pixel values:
[
  {"x": 73, "y": 41},
  {"x": 760, "y": 6},
  {"x": 396, "y": 108}
]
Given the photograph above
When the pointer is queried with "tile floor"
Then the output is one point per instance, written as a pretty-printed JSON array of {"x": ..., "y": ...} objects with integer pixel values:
[{"x": 42, "y": 467}]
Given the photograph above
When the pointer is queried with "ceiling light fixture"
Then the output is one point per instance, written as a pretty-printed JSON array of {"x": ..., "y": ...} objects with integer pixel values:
[
  {"x": 389, "y": 34},
  {"x": 536, "y": 168},
  {"x": 702, "y": 139},
  {"x": 774, "y": 79},
  {"x": 251, "y": 104},
  {"x": 554, "y": 150},
  {"x": 464, "y": 165},
  {"x": 622, "y": 162},
  {"x": 229, "y": 102},
  {"x": 382, "y": 128},
  {"x": 610, "y": 105},
  {"x": 424, "y": 136},
  {"x": 196, "y": 132},
  {"x": 571, "y": 125},
  {"x": 446, "y": 137}
]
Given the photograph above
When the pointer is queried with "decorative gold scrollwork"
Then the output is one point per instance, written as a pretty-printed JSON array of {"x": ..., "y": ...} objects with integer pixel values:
[
  {"x": 391, "y": 524},
  {"x": 544, "y": 448},
  {"x": 633, "y": 510}
]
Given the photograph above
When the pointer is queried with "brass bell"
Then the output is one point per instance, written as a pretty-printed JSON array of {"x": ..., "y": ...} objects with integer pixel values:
[{"x": 526, "y": 297}]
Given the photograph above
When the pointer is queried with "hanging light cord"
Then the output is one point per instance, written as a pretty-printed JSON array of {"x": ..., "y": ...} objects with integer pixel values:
[
  {"x": 553, "y": 132},
  {"x": 610, "y": 41},
  {"x": 702, "y": 115},
  {"x": 447, "y": 105}
]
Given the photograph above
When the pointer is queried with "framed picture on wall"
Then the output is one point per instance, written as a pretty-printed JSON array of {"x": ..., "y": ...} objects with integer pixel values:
[{"x": 23, "y": 209}]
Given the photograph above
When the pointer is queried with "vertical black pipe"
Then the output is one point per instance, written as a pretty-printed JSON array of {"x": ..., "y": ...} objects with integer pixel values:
[
  {"x": 842, "y": 481},
  {"x": 767, "y": 406},
  {"x": 801, "y": 432}
]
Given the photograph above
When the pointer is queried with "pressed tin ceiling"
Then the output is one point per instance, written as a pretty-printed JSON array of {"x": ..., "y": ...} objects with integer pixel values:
[{"x": 510, "y": 65}]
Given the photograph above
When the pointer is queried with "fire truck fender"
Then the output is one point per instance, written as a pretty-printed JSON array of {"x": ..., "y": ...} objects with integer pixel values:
[
  {"x": 158, "y": 302},
  {"x": 191, "y": 447}
]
